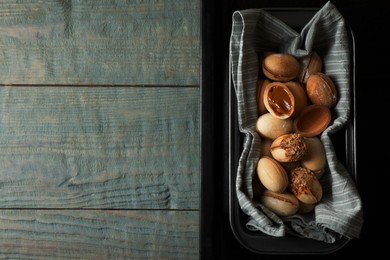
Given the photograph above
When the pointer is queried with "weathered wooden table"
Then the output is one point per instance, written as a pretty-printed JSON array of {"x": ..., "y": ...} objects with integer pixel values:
[{"x": 99, "y": 129}]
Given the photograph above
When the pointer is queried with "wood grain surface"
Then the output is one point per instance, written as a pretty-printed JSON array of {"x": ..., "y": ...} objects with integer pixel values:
[
  {"x": 99, "y": 42},
  {"x": 94, "y": 234},
  {"x": 99, "y": 147},
  {"x": 99, "y": 129}
]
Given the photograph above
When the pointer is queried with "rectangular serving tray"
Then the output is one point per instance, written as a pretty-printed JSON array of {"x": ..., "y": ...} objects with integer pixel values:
[{"x": 345, "y": 146}]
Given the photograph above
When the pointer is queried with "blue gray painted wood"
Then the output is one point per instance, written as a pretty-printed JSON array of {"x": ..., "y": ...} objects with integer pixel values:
[
  {"x": 94, "y": 234},
  {"x": 103, "y": 147},
  {"x": 90, "y": 171},
  {"x": 99, "y": 42}
]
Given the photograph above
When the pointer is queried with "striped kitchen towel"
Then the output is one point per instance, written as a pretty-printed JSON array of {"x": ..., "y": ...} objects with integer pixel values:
[{"x": 255, "y": 31}]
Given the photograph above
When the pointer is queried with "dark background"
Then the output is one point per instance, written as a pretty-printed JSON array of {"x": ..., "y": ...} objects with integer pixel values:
[{"x": 370, "y": 24}]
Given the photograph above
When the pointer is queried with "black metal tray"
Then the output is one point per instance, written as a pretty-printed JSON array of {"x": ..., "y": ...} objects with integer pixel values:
[{"x": 344, "y": 142}]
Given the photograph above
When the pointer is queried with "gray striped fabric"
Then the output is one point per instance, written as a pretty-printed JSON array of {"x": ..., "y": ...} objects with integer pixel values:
[{"x": 255, "y": 31}]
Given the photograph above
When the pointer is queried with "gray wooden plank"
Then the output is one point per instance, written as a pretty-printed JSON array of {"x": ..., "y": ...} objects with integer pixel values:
[
  {"x": 100, "y": 42},
  {"x": 94, "y": 234},
  {"x": 99, "y": 147}
]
